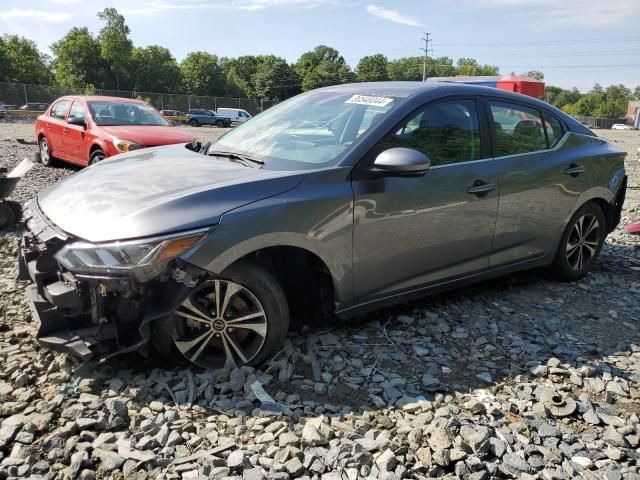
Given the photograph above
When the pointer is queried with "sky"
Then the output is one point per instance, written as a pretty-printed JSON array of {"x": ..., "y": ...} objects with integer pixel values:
[{"x": 575, "y": 43}]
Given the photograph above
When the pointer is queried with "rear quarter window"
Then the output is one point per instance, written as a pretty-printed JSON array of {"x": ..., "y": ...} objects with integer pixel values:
[{"x": 553, "y": 128}]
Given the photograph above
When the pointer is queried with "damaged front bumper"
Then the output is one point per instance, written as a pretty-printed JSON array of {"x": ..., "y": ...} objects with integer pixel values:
[{"x": 92, "y": 316}]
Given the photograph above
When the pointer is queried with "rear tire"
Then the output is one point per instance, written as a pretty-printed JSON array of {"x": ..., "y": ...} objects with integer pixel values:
[
  {"x": 219, "y": 124},
  {"x": 45, "y": 153},
  {"x": 96, "y": 156},
  {"x": 581, "y": 243},
  {"x": 256, "y": 295},
  {"x": 194, "y": 123}
]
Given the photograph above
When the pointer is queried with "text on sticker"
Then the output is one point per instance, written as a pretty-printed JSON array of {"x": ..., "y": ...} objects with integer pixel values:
[{"x": 369, "y": 100}]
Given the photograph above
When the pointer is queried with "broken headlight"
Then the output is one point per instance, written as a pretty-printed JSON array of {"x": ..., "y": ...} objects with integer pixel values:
[{"x": 84, "y": 257}]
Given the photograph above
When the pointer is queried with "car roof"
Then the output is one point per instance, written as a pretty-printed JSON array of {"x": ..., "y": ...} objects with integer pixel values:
[
  {"x": 434, "y": 90},
  {"x": 101, "y": 98},
  {"x": 437, "y": 88}
]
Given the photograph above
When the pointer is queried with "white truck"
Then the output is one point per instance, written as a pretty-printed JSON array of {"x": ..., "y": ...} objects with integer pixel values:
[{"x": 237, "y": 115}]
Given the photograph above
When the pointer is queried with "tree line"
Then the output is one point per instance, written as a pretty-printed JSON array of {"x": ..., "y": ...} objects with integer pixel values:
[{"x": 85, "y": 62}]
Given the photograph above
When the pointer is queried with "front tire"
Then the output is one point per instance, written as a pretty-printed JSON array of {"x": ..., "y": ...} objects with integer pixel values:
[
  {"x": 239, "y": 318},
  {"x": 219, "y": 124},
  {"x": 45, "y": 153},
  {"x": 96, "y": 156},
  {"x": 581, "y": 243},
  {"x": 194, "y": 123}
]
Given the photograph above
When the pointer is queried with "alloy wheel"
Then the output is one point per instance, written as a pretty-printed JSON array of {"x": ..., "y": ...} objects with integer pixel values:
[
  {"x": 221, "y": 323},
  {"x": 45, "y": 156},
  {"x": 583, "y": 241}
]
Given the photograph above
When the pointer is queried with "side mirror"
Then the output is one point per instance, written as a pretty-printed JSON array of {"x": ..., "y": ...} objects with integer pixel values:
[
  {"x": 77, "y": 121},
  {"x": 402, "y": 162}
]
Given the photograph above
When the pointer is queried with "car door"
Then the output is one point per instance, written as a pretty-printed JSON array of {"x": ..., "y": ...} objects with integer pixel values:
[
  {"x": 73, "y": 137},
  {"x": 413, "y": 231},
  {"x": 537, "y": 188},
  {"x": 55, "y": 126},
  {"x": 209, "y": 118}
]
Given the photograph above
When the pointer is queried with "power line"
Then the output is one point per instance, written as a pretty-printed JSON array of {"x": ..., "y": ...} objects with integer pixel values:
[{"x": 550, "y": 42}]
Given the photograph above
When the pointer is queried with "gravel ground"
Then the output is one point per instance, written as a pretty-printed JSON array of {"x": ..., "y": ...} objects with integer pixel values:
[{"x": 519, "y": 377}]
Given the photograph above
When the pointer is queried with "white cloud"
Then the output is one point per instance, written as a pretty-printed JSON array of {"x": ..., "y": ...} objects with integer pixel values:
[
  {"x": 156, "y": 6},
  {"x": 65, "y": 2},
  {"x": 392, "y": 15},
  {"x": 552, "y": 13},
  {"x": 40, "y": 15}
]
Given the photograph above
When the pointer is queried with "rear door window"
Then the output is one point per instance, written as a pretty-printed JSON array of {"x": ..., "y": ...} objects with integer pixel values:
[
  {"x": 60, "y": 109},
  {"x": 518, "y": 129},
  {"x": 447, "y": 132}
]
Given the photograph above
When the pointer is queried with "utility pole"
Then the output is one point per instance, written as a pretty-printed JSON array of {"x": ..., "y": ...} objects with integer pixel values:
[{"x": 427, "y": 40}]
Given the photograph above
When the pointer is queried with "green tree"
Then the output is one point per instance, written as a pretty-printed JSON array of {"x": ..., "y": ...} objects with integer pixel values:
[
  {"x": 406, "y": 68},
  {"x": 77, "y": 59},
  {"x": 115, "y": 45},
  {"x": 202, "y": 74},
  {"x": 615, "y": 102},
  {"x": 537, "y": 74},
  {"x": 155, "y": 70},
  {"x": 240, "y": 72},
  {"x": 470, "y": 67},
  {"x": 272, "y": 78},
  {"x": 321, "y": 67},
  {"x": 372, "y": 68},
  {"x": 588, "y": 104},
  {"x": 440, "y": 67},
  {"x": 559, "y": 97},
  {"x": 4, "y": 61},
  {"x": 23, "y": 62},
  {"x": 636, "y": 92}
]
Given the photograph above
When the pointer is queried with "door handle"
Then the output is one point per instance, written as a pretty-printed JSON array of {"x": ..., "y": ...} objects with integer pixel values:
[
  {"x": 574, "y": 170},
  {"x": 481, "y": 188},
  {"x": 65, "y": 130}
]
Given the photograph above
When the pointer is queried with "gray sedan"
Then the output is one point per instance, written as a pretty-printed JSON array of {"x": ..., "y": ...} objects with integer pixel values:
[{"x": 333, "y": 203}]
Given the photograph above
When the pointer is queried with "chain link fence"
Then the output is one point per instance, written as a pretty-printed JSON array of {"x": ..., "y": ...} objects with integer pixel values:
[
  {"x": 598, "y": 122},
  {"x": 17, "y": 94}
]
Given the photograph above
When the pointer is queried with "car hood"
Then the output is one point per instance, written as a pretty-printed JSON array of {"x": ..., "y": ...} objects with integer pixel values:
[
  {"x": 149, "y": 135},
  {"x": 156, "y": 191}
]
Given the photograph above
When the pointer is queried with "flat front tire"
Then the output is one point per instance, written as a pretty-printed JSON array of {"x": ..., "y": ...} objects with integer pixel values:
[
  {"x": 581, "y": 243},
  {"x": 239, "y": 318}
]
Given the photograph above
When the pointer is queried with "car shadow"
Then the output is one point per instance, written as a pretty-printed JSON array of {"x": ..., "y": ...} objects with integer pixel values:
[{"x": 463, "y": 341}]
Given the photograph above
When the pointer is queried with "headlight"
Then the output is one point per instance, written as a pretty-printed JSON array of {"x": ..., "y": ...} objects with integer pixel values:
[
  {"x": 125, "y": 145},
  {"x": 126, "y": 256}
]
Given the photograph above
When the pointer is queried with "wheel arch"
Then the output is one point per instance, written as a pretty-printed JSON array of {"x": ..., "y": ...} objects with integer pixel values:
[
  {"x": 610, "y": 203},
  {"x": 96, "y": 146},
  {"x": 289, "y": 252},
  {"x": 304, "y": 276}
]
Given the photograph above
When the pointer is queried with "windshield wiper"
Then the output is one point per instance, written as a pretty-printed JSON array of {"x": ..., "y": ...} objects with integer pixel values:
[{"x": 237, "y": 157}]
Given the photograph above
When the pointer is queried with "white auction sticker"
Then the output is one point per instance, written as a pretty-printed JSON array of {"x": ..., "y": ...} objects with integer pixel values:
[{"x": 369, "y": 100}]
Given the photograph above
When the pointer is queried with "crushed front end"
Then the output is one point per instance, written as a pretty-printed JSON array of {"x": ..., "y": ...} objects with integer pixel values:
[{"x": 95, "y": 313}]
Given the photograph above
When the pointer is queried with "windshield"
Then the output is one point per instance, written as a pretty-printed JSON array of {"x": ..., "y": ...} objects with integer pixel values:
[
  {"x": 308, "y": 131},
  {"x": 125, "y": 113}
]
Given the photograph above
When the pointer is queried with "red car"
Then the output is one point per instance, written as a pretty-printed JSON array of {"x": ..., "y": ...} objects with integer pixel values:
[{"x": 85, "y": 129}]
